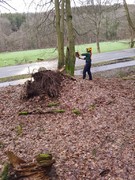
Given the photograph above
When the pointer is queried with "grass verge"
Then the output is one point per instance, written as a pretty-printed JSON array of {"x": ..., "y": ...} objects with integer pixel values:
[{"x": 13, "y": 78}]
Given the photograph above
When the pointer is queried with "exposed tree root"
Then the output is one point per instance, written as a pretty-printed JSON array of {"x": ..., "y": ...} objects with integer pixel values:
[{"x": 45, "y": 82}]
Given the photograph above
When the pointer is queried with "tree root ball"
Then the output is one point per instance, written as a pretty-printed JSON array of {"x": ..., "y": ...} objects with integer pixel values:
[{"x": 44, "y": 82}]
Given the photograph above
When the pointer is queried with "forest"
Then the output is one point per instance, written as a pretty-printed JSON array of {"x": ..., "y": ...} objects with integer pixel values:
[{"x": 21, "y": 31}]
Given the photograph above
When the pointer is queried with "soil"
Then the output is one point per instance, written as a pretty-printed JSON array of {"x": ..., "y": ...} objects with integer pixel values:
[{"x": 93, "y": 138}]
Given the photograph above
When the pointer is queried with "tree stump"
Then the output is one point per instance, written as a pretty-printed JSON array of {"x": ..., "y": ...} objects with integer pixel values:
[{"x": 18, "y": 169}]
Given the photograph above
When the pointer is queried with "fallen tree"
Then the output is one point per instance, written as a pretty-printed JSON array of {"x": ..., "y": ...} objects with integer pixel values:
[
  {"x": 44, "y": 82},
  {"x": 18, "y": 169}
]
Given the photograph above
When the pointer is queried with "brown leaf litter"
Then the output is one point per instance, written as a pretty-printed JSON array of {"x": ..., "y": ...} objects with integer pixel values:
[{"x": 96, "y": 143}]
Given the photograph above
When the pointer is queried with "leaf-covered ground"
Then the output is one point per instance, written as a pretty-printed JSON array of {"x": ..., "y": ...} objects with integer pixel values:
[{"x": 93, "y": 139}]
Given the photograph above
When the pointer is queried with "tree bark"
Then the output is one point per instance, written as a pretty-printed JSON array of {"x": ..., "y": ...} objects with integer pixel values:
[
  {"x": 60, "y": 35},
  {"x": 70, "y": 54},
  {"x": 130, "y": 22},
  {"x": 132, "y": 33},
  {"x": 62, "y": 31},
  {"x": 97, "y": 41}
]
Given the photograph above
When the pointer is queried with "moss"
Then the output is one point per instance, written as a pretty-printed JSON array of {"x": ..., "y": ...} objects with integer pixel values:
[
  {"x": 19, "y": 129},
  {"x": 59, "y": 110},
  {"x": 53, "y": 104},
  {"x": 24, "y": 113},
  {"x": 76, "y": 111},
  {"x": 4, "y": 174},
  {"x": 42, "y": 157},
  {"x": 1, "y": 144},
  {"x": 92, "y": 107}
]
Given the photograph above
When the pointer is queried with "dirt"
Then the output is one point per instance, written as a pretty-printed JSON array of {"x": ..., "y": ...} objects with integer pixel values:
[{"x": 92, "y": 139}]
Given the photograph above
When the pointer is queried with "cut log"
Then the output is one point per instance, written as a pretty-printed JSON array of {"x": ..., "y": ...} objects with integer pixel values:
[{"x": 18, "y": 169}]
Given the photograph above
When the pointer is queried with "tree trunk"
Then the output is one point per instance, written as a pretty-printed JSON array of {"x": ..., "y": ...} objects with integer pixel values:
[
  {"x": 62, "y": 31},
  {"x": 128, "y": 15},
  {"x": 70, "y": 54},
  {"x": 97, "y": 41},
  {"x": 132, "y": 42},
  {"x": 130, "y": 22},
  {"x": 60, "y": 36}
]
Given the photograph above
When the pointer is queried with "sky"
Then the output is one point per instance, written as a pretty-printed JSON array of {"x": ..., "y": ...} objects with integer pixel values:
[{"x": 31, "y": 5}]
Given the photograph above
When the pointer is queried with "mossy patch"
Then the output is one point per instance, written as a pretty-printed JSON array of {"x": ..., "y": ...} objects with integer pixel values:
[
  {"x": 76, "y": 111},
  {"x": 51, "y": 104},
  {"x": 4, "y": 174}
]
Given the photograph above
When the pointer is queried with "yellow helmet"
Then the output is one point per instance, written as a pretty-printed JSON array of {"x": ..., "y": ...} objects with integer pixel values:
[{"x": 89, "y": 49}]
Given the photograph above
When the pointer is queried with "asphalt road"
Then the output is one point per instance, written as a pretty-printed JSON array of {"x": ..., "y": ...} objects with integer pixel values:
[
  {"x": 33, "y": 67},
  {"x": 79, "y": 72}
]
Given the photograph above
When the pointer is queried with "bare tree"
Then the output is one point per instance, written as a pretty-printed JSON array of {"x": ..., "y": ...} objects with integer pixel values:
[
  {"x": 5, "y": 5},
  {"x": 94, "y": 16},
  {"x": 130, "y": 22}
]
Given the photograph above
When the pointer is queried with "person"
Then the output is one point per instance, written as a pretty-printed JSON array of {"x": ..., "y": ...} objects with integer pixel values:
[{"x": 87, "y": 67}]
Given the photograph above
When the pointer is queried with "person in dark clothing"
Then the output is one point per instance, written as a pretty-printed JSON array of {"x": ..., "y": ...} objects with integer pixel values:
[{"x": 87, "y": 67}]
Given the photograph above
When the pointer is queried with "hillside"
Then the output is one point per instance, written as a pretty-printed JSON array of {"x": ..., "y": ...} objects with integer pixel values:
[
  {"x": 93, "y": 139},
  {"x": 37, "y": 30}
]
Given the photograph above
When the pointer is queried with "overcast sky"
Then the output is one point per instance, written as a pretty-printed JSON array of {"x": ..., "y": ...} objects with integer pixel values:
[{"x": 31, "y": 5}]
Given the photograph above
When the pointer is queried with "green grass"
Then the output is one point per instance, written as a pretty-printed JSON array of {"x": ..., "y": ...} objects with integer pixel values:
[
  {"x": 29, "y": 56},
  {"x": 105, "y": 46},
  {"x": 22, "y": 57}
]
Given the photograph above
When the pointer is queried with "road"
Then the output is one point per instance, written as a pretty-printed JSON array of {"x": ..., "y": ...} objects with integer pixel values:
[
  {"x": 33, "y": 67},
  {"x": 78, "y": 72}
]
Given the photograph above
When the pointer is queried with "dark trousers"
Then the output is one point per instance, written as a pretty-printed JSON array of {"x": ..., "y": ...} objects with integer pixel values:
[{"x": 87, "y": 68}]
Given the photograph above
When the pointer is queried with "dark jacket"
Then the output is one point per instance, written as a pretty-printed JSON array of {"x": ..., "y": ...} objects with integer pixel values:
[{"x": 87, "y": 58}]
